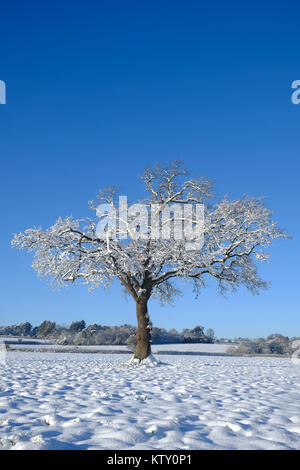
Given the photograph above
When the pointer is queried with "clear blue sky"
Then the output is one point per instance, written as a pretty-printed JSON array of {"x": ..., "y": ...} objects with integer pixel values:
[{"x": 98, "y": 90}]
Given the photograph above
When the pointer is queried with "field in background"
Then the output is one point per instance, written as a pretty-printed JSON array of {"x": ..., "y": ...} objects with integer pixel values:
[{"x": 23, "y": 344}]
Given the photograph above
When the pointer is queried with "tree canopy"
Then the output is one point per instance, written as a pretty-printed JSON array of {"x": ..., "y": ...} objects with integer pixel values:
[{"x": 235, "y": 235}]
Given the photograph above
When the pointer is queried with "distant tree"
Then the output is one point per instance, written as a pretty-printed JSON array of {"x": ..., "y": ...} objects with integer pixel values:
[
  {"x": 210, "y": 334},
  {"x": 173, "y": 331},
  {"x": 25, "y": 329},
  {"x": 46, "y": 328},
  {"x": 34, "y": 332},
  {"x": 198, "y": 330},
  {"x": 278, "y": 344},
  {"x": 277, "y": 336},
  {"x": 77, "y": 326},
  {"x": 274, "y": 344},
  {"x": 131, "y": 343},
  {"x": 276, "y": 347}
]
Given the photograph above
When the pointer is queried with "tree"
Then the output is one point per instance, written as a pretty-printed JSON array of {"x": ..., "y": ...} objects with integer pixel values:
[
  {"x": 198, "y": 330},
  {"x": 235, "y": 235},
  {"x": 46, "y": 328},
  {"x": 210, "y": 334},
  {"x": 77, "y": 326},
  {"x": 25, "y": 329}
]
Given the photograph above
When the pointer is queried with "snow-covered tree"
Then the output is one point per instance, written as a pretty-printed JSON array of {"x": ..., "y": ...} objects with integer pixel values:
[
  {"x": 236, "y": 234},
  {"x": 77, "y": 326}
]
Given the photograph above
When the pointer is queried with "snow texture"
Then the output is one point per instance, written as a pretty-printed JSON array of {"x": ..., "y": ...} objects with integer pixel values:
[
  {"x": 89, "y": 401},
  {"x": 156, "y": 348}
]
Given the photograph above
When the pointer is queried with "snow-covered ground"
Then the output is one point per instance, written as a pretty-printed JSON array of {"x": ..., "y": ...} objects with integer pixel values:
[
  {"x": 156, "y": 348},
  {"x": 195, "y": 347},
  {"x": 87, "y": 401}
]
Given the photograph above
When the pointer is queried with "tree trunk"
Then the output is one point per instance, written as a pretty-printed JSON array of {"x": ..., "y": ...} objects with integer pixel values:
[{"x": 143, "y": 334}]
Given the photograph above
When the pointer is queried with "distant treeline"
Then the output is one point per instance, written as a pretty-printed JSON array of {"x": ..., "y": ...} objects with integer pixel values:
[
  {"x": 273, "y": 344},
  {"x": 80, "y": 334}
]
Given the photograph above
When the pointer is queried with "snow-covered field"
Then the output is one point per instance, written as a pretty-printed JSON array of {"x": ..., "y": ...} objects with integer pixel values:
[
  {"x": 156, "y": 348},
  {"x": 87, "y": 401},
  {"x": 189, "y": 348}
]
